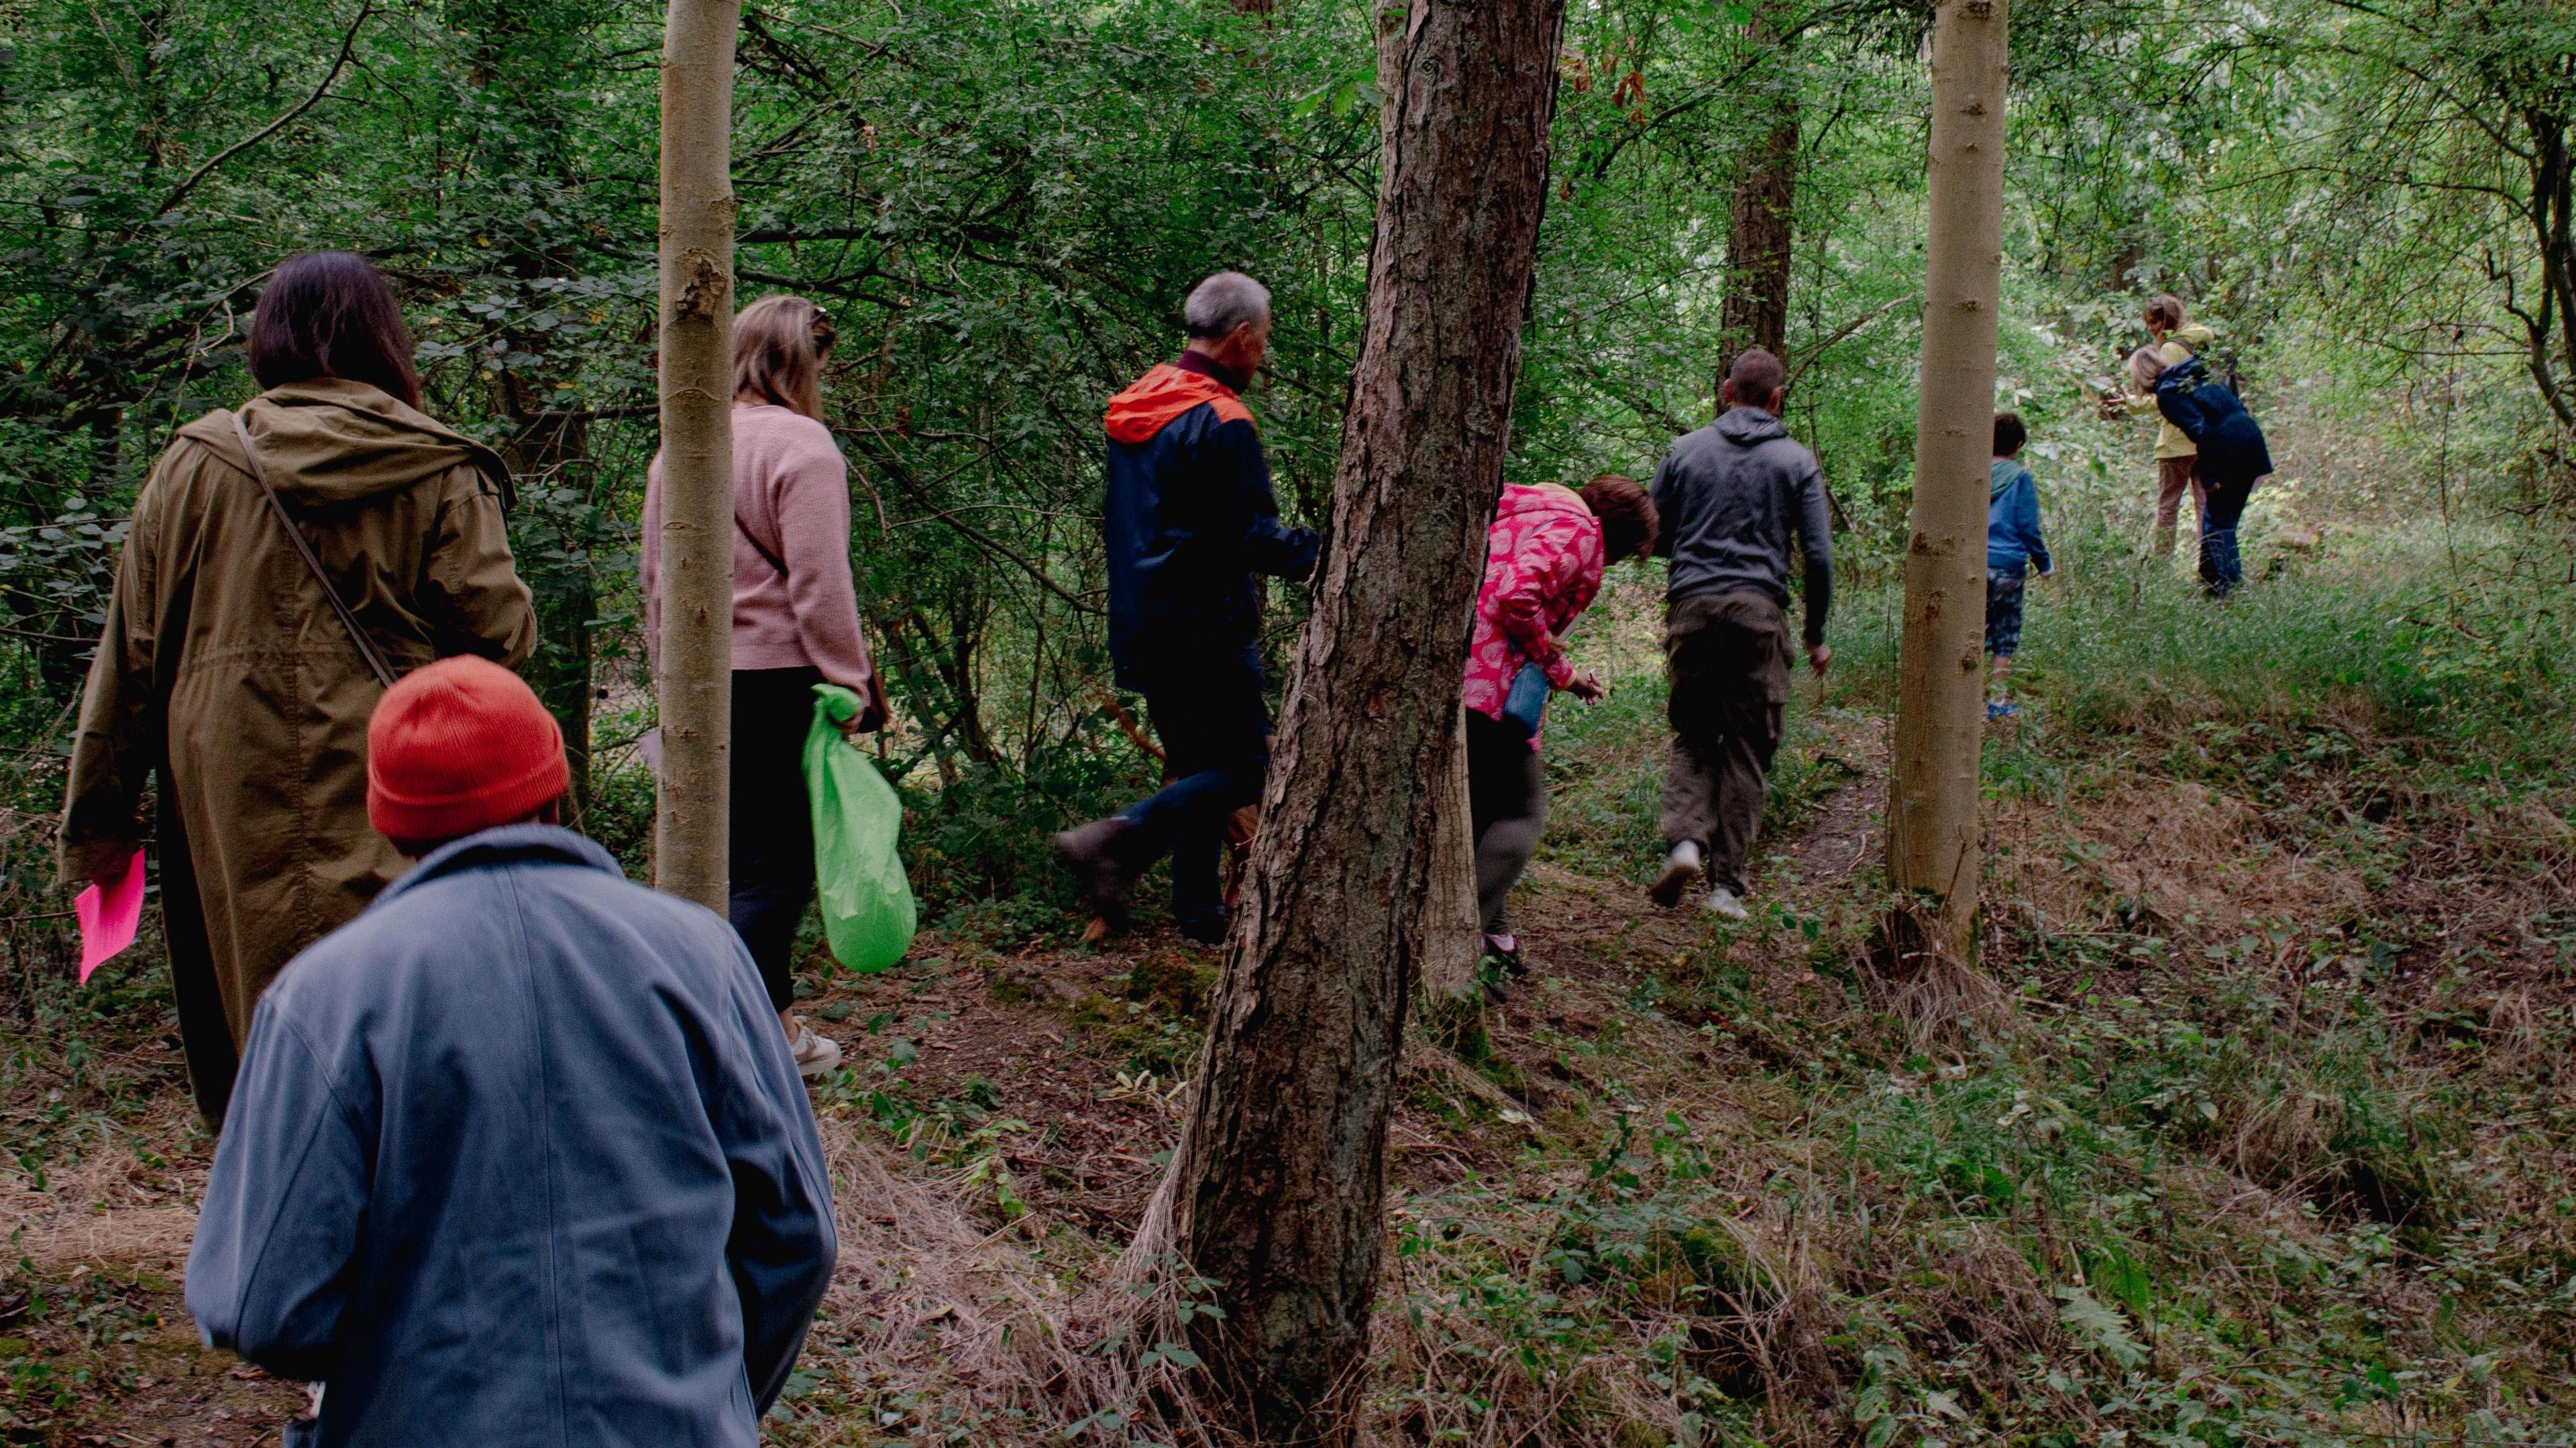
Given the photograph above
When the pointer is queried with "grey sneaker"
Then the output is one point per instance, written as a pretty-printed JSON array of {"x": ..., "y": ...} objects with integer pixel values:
[
  {"x": 1680, "y": 868},
  {"x": 816, "y": 1054},
  {"x": 1092, "y": 852},
  {"x": 1722, "y": 901}
]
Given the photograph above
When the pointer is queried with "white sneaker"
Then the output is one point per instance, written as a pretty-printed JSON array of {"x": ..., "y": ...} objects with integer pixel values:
[
  {"x": 816, "y": 1055},
  {"x": 1722, "y": 901},
  {"x": 1680, "y": 868}
]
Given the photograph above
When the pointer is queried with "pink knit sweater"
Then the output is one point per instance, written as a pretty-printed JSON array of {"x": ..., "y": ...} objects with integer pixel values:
[{"x": 791, "y": 492}]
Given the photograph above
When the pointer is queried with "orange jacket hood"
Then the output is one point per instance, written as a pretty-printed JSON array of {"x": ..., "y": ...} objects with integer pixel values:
[{"x": 1151, "y": 402}]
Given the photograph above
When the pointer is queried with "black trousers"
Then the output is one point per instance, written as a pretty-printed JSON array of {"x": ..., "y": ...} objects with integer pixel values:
[
  {"x": 770, "y": 847},
  {"x": 1507, "y": 809},
  {"x": 1216, "y": 736}
]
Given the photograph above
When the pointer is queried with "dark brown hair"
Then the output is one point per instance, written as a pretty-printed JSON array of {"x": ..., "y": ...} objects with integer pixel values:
[
  {"x": 2165, "y": 311},
  {"x": 778, "y": 347},
  {"x": 2010, "y": 434},
  {"x": 330, "y": 314},
  {"x": 1627, "y": 515},
  {"x": 1755, "y": 378}
]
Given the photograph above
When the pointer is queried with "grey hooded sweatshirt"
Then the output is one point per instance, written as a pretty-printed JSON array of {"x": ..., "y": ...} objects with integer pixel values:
[{"x": 1729, "y": 495}]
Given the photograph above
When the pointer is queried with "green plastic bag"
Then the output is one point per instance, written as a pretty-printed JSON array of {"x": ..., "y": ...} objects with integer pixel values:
[{"x": 868, "y": 914}]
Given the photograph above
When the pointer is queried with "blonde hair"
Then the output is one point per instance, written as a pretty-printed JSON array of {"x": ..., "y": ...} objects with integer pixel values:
[
  {"x": 2145, "y": 366},
  {"x": 778, "y": 347},
  {"x": 2166, "y": 309}
]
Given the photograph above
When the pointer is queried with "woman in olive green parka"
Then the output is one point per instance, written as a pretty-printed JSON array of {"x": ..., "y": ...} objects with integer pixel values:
[{"x": 224, "y": 668}]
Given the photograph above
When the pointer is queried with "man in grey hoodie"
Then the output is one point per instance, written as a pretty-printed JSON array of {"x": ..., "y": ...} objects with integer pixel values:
[{"x": 1730, "y": 494}]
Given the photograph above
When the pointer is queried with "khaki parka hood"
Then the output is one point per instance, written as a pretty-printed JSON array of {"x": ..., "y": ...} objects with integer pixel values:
[{"x": 331, "y": 441}]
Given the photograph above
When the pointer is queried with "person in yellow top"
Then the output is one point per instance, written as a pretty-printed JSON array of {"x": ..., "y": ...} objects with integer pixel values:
[{"x": 2177, "y": 461}]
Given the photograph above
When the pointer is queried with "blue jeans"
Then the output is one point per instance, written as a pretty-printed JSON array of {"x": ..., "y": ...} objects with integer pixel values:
[
  {"x": 2222, "y": 568},
  {"x": 1216, "y": 741},
  {"x": 2005, "y": 592}
]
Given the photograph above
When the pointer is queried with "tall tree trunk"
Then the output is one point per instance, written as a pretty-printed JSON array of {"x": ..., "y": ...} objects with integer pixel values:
[
  {"x": 694, "y": 685},
  {"x": 1932, "y": 806},
  {"x": 1759, "y": 231},
  {"x": 1282, "y": 1166}
]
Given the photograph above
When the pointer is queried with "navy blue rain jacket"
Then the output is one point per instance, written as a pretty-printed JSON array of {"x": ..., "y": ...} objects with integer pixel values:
[
  {"x": 2231, "y": 446},
  {"x": 519, "y": 1157},
  {"x": 1190, "y": 520}
]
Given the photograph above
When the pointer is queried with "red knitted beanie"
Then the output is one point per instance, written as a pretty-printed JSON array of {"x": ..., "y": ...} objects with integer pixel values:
[{"x": 460, "y": 746}]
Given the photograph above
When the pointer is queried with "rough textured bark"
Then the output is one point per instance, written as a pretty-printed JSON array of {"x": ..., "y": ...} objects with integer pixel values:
[
  {"x": 1940, "y": 719},
  {"x": 1760, "y": 232},
  {"x": 1278, "y": 1185},
  {"x": 694, "y": 685}
]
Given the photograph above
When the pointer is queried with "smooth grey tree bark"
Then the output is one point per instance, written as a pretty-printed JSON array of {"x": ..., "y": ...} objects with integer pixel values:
[
  {"x": 694, "y": 683},
  {"x": 1932, "y": 852}
]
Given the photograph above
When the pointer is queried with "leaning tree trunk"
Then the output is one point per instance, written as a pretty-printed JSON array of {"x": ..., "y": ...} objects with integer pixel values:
[
  {"x": 1932, "y": 808},
  {"x": 694, "y": 684},
  {"x": 1759, "y": 232},
  {"x": 1278, "y": 1183}
]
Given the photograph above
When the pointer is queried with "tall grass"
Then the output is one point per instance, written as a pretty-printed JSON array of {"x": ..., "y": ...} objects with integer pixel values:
[{"x": 2445, "y": 643}]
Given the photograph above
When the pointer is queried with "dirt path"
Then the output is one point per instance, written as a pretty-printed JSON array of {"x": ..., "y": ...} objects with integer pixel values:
[{"x": 1038, "y": 1088}]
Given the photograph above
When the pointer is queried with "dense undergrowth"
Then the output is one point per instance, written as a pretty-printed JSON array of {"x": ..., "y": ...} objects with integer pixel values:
[
  {"x": 2254, "y": 1131},
  {"x": 2260, "y": 1135}
]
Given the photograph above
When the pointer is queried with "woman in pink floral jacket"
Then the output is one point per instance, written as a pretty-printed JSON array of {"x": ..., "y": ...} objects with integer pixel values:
[{"x": 1543, "y": 564}]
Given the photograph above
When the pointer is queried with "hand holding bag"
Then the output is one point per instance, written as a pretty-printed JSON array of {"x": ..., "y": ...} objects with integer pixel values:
[{"x": 865, "y": 897}]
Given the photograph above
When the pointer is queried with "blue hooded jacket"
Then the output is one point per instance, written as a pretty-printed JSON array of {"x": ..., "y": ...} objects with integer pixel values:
[
  {"x": 2012, "y": 520},
  {"x": 519, "y": 1157},
  {"x": 1190, "y": 519}
]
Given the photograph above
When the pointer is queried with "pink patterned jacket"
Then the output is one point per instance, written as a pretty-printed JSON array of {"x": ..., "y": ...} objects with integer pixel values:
[{"x": 1543, "y": 562}]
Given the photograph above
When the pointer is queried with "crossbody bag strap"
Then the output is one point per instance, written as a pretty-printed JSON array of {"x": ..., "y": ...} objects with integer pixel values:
[{"x": 367, "y": 649}]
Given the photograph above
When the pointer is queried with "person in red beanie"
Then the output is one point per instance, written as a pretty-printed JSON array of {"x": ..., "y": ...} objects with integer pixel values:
[
  {"x": 457, "y": 748},
  {"x": 519, "y": 1155}
]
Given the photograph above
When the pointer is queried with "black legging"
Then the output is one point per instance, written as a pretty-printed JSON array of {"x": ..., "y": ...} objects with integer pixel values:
[
  {"x": 1506, "y": 807},
  {"x": 770, "y": 848}
]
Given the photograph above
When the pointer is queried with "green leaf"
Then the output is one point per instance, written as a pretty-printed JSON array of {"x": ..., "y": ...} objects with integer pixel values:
[{"x": 2098, "y": 1327}]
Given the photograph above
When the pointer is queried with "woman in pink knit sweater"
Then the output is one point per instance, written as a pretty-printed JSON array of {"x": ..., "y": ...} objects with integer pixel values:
[{"x": 795, "y": 625}]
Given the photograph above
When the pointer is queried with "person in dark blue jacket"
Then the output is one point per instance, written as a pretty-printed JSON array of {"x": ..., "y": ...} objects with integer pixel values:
[
  {"x": 1190, "y": 522},
  {"x": 2233, "y": 456},
  {"x": 2013, "y": 544},
  {"x": 519, "y": 1155}
]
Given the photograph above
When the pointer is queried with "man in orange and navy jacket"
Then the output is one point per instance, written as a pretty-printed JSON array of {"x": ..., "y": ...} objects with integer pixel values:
[{"x": 1190, "y": 520}]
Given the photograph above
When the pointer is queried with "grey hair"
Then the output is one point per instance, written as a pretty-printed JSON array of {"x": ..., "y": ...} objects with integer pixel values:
[
  {"x": 2146, "y": 365},
  {"x": 1224, "y": 302}
]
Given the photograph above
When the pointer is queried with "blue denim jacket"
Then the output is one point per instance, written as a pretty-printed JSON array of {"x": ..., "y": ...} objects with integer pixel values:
[{"x": 519, "y": 1156}]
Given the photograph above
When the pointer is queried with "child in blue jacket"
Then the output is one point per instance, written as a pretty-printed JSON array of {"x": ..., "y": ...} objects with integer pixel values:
[{"x": 2013, "y": 543}]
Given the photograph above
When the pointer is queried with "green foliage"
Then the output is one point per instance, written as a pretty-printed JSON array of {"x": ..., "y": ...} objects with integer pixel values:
[{"x": 2036, "y": 1241}]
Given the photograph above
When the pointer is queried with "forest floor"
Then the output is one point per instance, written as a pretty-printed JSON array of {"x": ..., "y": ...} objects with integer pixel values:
[{"x": 2254, "y": 1128}]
